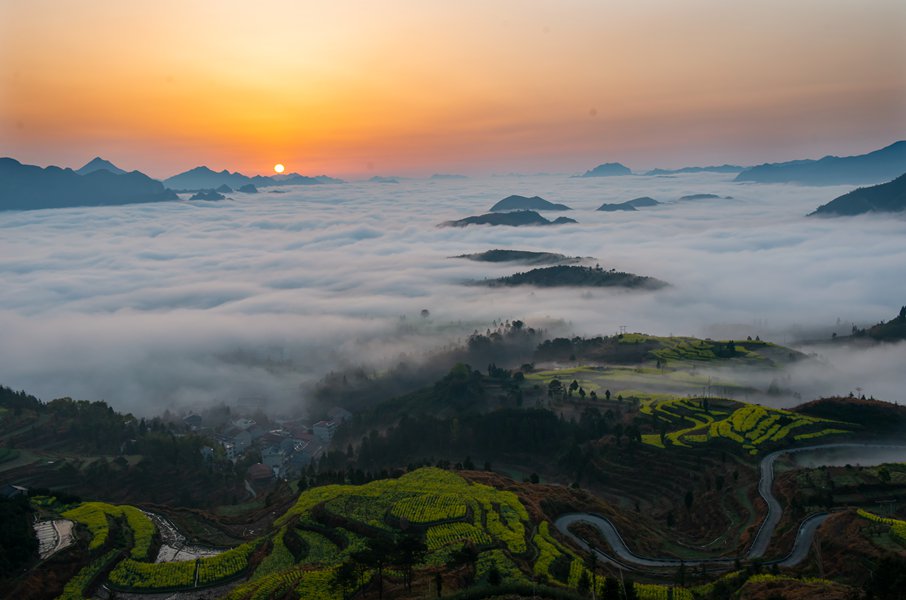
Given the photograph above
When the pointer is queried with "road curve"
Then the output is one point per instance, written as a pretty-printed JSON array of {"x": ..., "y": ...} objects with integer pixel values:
[{"x": 626, "y": 558}]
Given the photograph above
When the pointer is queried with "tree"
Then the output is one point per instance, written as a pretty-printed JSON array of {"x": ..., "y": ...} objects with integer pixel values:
[
  {"x": 410, "y": 550},
  {"x": 591, "y": 563},
  {"x": 629, "y": 592},
  {"x": 607, "y": 395},
  {"x": 494, "y": 576},
  {"x": 345, "y": 578},
  {"x": 611, "y": 589},
  {"x": 465, "y": 556},
  {"x": 688, "y": 500},
  {"x": 375, "y": 555}
]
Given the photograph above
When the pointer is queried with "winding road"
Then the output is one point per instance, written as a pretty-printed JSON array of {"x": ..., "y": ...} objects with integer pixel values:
[{"x": 804, "y": 536}]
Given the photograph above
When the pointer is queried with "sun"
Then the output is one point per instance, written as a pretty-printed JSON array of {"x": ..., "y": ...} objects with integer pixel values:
[{"x": 279, "y": 168}]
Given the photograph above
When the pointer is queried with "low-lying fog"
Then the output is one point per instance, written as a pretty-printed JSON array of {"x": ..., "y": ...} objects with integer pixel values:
[{"x": 172, "y": 304}]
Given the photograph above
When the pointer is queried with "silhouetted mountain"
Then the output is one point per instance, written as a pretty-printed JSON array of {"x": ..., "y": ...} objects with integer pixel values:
[
  {"x": 379, "y": 179},
  {"x": 448, "y": 176},
  {"x": 711, "y": 169},
  {"x": 629, "y": 204},
  {"x": 203, "y": 178},
  {"x": 296, "y": 179},
  {"x": 607, "y": 170},
  {"x": 886, "y": 197},
  {"x": 207, "y": 195},
  {"x": 513, "y": 219},
  {"x": 874, "y": 167},
  {"x": 521, "y": 256},
  {"x": 248, "y": 188},
  {"x": 574, "y": 276},
  {"x": 25, "y": 187},
  {"x": 225, "y": 189},
  {"x": 525, "y": 203},
  {"x": 97, "y": 164},
  {"x": 702, "y": 197}
]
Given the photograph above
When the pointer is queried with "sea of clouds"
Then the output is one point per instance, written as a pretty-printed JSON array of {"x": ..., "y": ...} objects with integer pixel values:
[{"x": 255, "y": 297}]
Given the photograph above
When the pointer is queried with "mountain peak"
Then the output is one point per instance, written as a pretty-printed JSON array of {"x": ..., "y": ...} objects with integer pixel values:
[{"x": 99, "y": 164}]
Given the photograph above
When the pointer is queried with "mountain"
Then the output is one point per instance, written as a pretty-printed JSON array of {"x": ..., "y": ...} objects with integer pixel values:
[
  {"x": 97, "y": 164},
  {"x": 711, "y": 169},
  {"x": 248, "y": 188},
  {"x": 296, "y": 179},
  {"x": 886, "y": 197},
  {"x": 442, "y": 176},
  {"x": 575, "y": 276},
  {"x": 224, "y": 189},
  {"x": 702, "y": 197},
  {"x": 513, "y": 219},
  {"x": 520, "y": 256},
  {"x": 525, "y": 203},
  {"x": 607, "y": 170},
  {"x": 207, "y": 195},
  {"x": 874, "y": 167},
  {"x": 629, "y": 204},
  {"x": 203, "y": 178},
  {"x": 25, "y": 187},
  {"x": 380, "y": 179}
]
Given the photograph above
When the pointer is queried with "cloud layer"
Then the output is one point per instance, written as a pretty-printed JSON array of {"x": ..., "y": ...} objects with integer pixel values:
[{"x": 173, "y": 304}]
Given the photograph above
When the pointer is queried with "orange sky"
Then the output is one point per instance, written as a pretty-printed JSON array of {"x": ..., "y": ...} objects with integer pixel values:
[{"x": 477, "y": 86}]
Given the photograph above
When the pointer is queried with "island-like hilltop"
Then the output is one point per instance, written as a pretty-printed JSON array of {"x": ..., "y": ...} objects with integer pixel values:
[
  {"x": 518, "y": 218},
  {"x": 525, "y": 203}
]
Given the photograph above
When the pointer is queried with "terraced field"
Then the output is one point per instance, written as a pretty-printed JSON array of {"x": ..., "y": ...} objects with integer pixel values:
[
  {"x": 304, "y": 553},
  {"x": 689, "y": 422}
]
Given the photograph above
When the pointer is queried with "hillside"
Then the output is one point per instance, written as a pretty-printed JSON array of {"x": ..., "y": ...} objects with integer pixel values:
[
  {"x": 517, "y": 218},
  {"x": 524, "y": 203},
  {"x": 607, "y": 170},
  {"x": 874, "y": 167},
  {"x": 576, "y": 276},
  {"x": 28, "y": 187},
  {"x": 521, "y": 256},
  {"x": 629, "y": 204},
  {"x": 872, "y": 415},
  {"x": 883, "y": 198}
]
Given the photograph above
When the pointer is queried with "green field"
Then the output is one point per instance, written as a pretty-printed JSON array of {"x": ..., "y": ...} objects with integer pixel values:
[{"x": 688, "y": 422}]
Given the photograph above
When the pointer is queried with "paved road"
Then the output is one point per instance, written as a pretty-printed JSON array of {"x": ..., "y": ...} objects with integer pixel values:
[{"x": 804, "y": 536}]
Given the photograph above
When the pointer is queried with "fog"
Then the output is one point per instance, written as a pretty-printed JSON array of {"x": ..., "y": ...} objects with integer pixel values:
[{"x": 174, "y": 305}]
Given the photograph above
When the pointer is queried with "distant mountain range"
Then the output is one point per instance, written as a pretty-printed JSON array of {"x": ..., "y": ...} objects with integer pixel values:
[
  {"x": 512, "y": 219},
  {"x": 525, "y": 203},
  {"x": 443, "y": 176},
  {"x": 203, "y": 178},
  {"x": 711, "y": 169},
  {"x": 884, "y": 198},
  {"x": 874, "y": 167},
  {"x": 607, "y": 170},
  {"x": 27, "y": 187},
  {"x": 98, "y": 164},
  {"x": 629, "y": 204}
]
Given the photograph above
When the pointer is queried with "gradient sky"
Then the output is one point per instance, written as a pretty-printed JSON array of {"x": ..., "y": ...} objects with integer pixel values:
[{"x": 415, "y": 87}]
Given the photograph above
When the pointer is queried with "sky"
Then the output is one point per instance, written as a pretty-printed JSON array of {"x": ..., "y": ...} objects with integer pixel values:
[
  {"x": 357, "y": 88},
  {"x": 183, "y": 304}
]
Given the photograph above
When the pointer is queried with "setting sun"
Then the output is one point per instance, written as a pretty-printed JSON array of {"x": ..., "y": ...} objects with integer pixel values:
[{"x": 278, "y": 168}]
